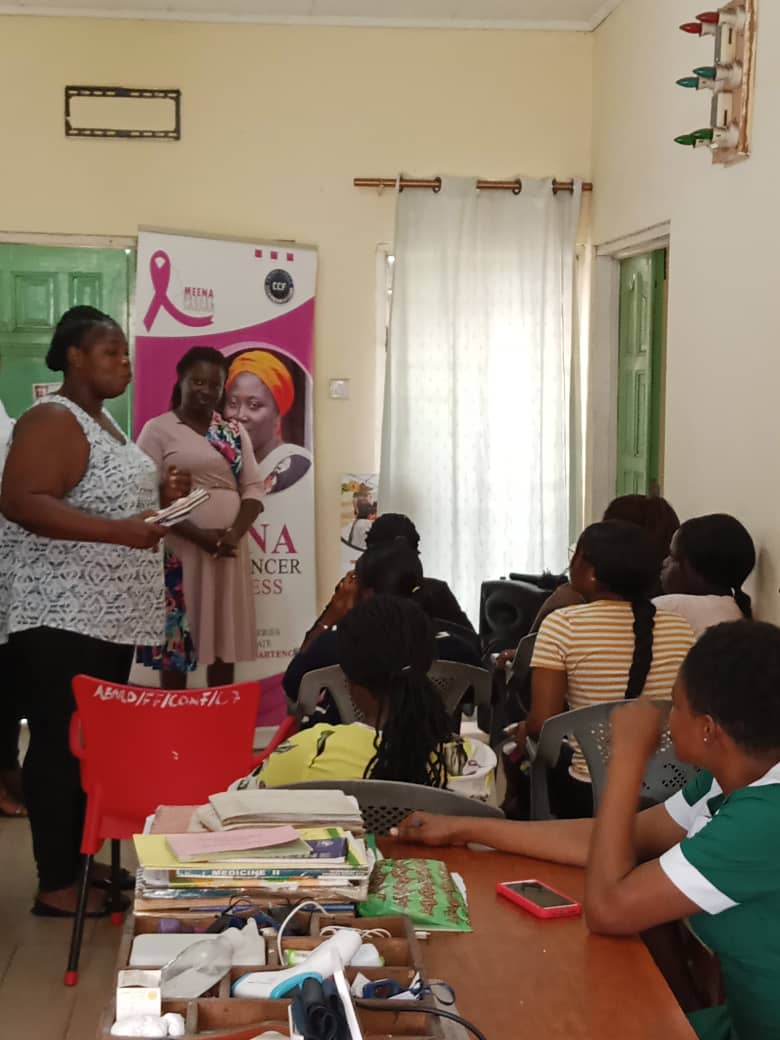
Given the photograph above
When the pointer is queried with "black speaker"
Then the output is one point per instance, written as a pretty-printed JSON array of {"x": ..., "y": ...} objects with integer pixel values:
[{"x": 506, "y": 612}]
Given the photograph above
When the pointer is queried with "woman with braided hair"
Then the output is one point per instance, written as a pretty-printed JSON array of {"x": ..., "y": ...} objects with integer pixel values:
[
  {"x": 709, "y": 560},
  {"x": 386, "y": 646},
  {"x": 615, "y": 646}
]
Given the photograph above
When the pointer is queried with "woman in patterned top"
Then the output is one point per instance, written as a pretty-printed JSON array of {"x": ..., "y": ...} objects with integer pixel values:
[
  {"x": 710, "y": 853},
  {"x": 79, "y": 584}
]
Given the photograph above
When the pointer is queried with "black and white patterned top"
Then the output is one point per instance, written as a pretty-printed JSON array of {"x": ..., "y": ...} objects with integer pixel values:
[{"x": 109, "y": 592}]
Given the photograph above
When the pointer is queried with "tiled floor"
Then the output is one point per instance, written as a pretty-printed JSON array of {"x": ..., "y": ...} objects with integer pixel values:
[{"x": 34, "y": 1003}]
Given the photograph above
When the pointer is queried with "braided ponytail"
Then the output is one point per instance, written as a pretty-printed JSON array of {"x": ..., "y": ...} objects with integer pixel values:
[
  {"x": 642, "y": 661},
  {"x": 626, "y": 561},
  {"x": 386, "y": 646},
  {"x": 744, "y": 603}
]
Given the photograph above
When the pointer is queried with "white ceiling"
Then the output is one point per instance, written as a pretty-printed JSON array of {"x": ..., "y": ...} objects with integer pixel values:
[{"x": 500, "y": 14}]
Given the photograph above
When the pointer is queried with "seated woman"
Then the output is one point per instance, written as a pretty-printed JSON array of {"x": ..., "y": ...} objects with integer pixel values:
[
  {"x": 386, "y": 646},
  {"x": 392, "y": 569},
  {"x": 649, "y": 511},
  {"x": 615, "y": 646},
  {"x": 710, "y": 853},
  {"x": 709, "y": 560},
  {"x": 440, "y": 601}
]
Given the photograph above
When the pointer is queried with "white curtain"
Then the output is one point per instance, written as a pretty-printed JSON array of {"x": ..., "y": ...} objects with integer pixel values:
[{"x": 475, "y": 436}]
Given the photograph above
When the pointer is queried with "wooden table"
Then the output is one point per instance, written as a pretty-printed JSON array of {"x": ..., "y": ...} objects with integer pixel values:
[{"x": 519, "y": 977}]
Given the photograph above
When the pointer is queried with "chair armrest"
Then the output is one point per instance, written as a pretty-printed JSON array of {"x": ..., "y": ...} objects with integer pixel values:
[{"x": 548, "y": 747}]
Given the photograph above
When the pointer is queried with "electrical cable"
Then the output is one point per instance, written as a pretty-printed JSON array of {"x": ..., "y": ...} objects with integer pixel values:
[{"x": 396, "y": 1006}]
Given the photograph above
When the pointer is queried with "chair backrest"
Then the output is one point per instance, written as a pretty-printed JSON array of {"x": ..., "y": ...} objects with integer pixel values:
[
  {"x": 590, "y": 727},
  {"x": 335, "y": 682},
  {"x": 453, "y": 680},
  {"x": 140, "y": 748},
  {"x": 384, "y": 803}
]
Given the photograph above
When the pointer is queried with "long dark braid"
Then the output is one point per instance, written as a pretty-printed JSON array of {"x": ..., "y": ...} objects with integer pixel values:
[
  {"x": 626, "y": 561},
  {"x": 386, "y": 646}
]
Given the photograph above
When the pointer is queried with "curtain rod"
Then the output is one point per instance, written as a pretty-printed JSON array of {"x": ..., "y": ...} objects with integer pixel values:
[{"x": 434, "y": 184}]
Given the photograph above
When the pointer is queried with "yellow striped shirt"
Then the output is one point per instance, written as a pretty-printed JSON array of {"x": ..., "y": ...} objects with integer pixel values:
[{"x": 594, "y": 645}]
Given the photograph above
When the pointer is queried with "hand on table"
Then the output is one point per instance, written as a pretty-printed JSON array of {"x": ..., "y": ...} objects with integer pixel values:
[{"x": 423, "y": 828}]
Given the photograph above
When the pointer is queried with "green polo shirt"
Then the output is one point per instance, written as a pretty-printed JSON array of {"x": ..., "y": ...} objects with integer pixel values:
[{"x": 729, "y": 865}]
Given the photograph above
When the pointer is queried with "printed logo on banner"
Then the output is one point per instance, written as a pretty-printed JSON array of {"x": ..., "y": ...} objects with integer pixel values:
[
  {"x": 279, "y": 287},
  {"x": 197, "y": 298},
  {"x": 160, "y": 274}
]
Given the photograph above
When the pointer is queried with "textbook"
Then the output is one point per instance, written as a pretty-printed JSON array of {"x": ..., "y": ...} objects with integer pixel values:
[{"x": 154, "y": 853}]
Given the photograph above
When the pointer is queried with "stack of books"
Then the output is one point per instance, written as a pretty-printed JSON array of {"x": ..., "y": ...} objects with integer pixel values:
[{"x": 257, "y": 849}]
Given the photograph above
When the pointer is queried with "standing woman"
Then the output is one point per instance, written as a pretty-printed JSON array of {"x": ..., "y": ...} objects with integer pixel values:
[
  {"x": 79, "y": 584},
  {"x": 211, "y": 613},
  {"x": 259, "y": 393}
]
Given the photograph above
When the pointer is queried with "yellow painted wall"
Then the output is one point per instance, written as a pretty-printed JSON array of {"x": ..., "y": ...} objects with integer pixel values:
[
  {"x": 276, "y": 122},
  {"x": 723, "y": 362}
]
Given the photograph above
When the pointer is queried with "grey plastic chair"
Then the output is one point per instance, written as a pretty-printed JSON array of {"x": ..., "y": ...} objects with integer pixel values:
[
  {"x": 512, "y": 691},
  {"x": 591, "y": 728},
  {"x": 453, "y": 680},
  {"x": 384, "y": 803},
  {"x": 335, "y": 682}
]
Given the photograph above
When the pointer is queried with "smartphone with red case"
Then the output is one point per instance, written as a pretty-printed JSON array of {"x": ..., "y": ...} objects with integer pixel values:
[{"x": 539, "y": 899}]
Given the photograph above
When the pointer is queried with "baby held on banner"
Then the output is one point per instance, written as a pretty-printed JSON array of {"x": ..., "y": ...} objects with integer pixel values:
[{"x": 167, "y": 699}]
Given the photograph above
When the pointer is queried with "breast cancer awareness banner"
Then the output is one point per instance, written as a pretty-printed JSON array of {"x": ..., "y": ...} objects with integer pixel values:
[{"x": 253, "y": 301}]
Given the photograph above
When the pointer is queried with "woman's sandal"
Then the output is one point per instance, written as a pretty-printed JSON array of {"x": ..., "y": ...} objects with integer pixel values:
[
  {"x": 126, "y": 882},
  {"x": 41, "y": 909}
]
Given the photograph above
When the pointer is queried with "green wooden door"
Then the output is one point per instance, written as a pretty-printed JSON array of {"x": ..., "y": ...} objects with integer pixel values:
[
  {"x": 642, "y": 309},
  {"x": 39, "y": 283}
]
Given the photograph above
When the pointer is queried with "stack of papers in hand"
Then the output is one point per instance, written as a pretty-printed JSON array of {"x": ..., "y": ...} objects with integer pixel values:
[{"x": 180, "y": 509}]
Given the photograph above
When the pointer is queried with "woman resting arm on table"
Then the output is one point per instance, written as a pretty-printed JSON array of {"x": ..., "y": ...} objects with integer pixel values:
[{"x": 710, "y": 852}]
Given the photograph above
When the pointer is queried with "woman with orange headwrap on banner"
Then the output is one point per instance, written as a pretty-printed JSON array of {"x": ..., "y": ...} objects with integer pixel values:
[{"x": 259, "y": 393}]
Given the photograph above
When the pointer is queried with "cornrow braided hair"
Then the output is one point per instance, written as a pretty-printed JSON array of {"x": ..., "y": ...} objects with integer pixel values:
[
  {"x": 74, "y": 329},
  {"x": 386, "y": 645},
  {"x": 626, "y": 560}
]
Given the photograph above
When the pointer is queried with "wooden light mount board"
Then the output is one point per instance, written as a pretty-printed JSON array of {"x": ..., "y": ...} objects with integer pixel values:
[
  {"x": 218, "y": 1016},
  {"x": 741, "y": 104}
]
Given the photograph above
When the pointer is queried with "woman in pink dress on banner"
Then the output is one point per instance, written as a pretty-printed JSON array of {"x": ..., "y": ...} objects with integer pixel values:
[{"x": 209, "y": 596}]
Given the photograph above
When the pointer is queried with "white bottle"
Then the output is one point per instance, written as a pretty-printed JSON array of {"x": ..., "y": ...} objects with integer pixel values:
[{"x": 199, "y": 967}]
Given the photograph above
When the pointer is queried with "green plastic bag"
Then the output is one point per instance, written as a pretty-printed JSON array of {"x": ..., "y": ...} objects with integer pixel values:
[{"x": 423, "y": 889}]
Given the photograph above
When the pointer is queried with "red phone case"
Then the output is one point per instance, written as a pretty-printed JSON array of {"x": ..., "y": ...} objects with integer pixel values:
[{"x": 574, "y": 909}]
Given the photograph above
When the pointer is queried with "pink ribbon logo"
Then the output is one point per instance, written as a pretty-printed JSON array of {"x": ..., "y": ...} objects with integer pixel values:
[{"x": 160, "y": 273}]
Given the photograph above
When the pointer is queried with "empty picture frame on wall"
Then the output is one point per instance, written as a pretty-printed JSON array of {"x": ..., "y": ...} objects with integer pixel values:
[{"x": 123, "y": 112}]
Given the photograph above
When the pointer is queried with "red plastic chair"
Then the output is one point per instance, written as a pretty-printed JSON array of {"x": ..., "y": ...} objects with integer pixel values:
[{"x": 143, "y": 747}]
